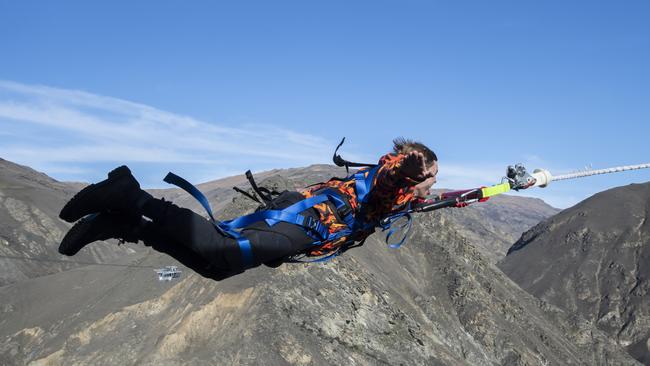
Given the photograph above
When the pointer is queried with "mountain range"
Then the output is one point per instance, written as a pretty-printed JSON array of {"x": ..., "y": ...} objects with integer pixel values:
[{"x": 440, "y": 299}]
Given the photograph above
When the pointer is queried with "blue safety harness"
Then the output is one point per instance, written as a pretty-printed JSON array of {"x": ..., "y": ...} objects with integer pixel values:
[{"x": 313, "y": 228}]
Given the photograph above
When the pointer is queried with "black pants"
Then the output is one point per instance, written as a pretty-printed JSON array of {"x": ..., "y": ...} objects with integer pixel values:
[{"x": 193, "y": 240}]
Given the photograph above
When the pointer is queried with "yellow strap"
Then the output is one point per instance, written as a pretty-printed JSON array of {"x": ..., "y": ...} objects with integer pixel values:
[{"x": 494, "y": 190}]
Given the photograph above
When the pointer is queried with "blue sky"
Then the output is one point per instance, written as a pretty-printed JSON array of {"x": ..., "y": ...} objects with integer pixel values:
[{"x": 210, "y": 89}]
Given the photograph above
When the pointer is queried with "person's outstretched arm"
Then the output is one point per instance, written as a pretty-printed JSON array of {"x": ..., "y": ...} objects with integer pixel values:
[{"x": 401, "y": 171}]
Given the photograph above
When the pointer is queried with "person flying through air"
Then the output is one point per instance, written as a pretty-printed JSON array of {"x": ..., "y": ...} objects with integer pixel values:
[{"x": 327, "y": 218}]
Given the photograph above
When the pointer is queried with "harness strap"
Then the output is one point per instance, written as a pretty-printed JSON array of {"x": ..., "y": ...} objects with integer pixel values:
[
  {"x": 246, "y": 251},
  {"x": 343, "y": 208},
  {"x": 363, "y": 183},
  {"x": 276, "y": 216},
  {"x": 174, "y": 179},
  {"x": 387, "y": 224},
  {"x": 188, "y": 187}
]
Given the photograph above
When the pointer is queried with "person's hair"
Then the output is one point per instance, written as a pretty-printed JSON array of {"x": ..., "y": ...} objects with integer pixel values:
[{"x": 402, "y": 145}]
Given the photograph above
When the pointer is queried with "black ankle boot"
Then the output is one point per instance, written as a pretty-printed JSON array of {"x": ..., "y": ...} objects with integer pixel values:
[
  {"x": 101, "y": 226},
  {"x": 120, "y": 193}
]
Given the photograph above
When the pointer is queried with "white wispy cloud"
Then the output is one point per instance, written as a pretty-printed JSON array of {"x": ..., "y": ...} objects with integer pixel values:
[{"x": 85, "y": 128}]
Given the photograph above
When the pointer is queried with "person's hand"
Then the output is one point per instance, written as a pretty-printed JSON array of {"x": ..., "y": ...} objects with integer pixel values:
[
  {"x": 422, "y": 190},
  {"x": 414, "y": 166}
]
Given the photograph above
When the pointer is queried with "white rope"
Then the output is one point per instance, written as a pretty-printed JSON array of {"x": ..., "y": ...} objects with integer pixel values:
[{"x": 601, "y": 171}]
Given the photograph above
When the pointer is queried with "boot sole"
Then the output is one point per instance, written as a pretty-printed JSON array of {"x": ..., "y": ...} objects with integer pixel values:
[
  {"x": 72, "y": 212},
  {"x": 76, "y": 232}
]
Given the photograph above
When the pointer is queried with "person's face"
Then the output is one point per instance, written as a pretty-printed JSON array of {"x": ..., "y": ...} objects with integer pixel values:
[{"x": 422, "y": 188}]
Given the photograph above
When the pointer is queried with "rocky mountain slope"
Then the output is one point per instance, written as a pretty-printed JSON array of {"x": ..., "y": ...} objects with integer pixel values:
[
  {"x": 494, "y": 225},
  {"x": 30, "y": 228},
  {"x": 594, "y": 260},
  {"x": 438, "y": 300}
]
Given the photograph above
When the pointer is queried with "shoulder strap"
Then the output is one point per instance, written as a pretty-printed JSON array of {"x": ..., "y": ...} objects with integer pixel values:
[{"x": 364, "y": 181}]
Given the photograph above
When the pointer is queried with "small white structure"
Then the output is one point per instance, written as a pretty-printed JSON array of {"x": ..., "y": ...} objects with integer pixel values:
[{"x": 168, "y": 273}]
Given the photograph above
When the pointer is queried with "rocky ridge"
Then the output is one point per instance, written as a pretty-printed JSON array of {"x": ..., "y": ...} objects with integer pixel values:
[{"x": 593, "y": 260}]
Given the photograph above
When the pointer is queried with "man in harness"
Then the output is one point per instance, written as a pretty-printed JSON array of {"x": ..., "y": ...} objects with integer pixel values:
[{"x": 319, "y": 222}]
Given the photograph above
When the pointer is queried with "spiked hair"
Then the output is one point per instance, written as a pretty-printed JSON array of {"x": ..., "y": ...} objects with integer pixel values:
[{"x": 402, "y": 145}]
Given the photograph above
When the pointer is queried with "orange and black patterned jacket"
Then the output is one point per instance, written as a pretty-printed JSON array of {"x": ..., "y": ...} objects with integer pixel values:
[{"x": 391, "y": 191}]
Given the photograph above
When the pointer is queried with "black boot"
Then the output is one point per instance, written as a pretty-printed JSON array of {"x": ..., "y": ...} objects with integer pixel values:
[
  {"x": 120, "y": 193},
  {"x": 101, "y": 226}
]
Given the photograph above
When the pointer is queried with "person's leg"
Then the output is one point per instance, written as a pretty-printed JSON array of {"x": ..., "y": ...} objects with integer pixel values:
[
  {"x": 195, "y": 233},
  {"x": 189, "y": 238},
  {"x": 155, "y": 237},
  {"x": 269, "y": 244}
]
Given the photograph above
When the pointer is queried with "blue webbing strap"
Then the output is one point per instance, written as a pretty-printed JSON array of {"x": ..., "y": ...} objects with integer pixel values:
[
  {"x": 339, "y": 203},
  {"x": 363, "y": 183},
  {"x": 246, "y": 251},
  {"x": 300, "y": 206},
  {"x": 275, "y": 215},
  {"x": 407, "y": 225},
  {"x": 188, "y": 187},
  {"x": 305, "y": 204},
  {"x": 289, "y": 214},
  {"x": 244, "y": 244},
  {"x": 307, "y": 223}
]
